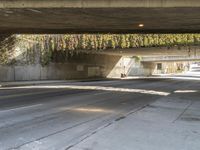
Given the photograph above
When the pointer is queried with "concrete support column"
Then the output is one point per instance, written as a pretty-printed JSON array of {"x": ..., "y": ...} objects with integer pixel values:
[{"x": 148, "y": 67}]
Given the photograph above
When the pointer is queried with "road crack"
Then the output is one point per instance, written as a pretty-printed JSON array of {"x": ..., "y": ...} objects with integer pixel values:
[{"x": 105, "y": 126}]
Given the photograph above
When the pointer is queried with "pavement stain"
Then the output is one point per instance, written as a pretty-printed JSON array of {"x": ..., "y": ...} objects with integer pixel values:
[
  {"x": 120, "y": 118},
  {"x": 190, "y": 119}
]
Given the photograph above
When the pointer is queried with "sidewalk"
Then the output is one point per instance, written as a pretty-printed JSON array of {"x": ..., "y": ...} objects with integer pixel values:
[{"x": 166, "y": 76}]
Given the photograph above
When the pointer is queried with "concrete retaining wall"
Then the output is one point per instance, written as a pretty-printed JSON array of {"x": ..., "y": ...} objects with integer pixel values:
[
  {"x": 88, "y": 66},
  {"x": 53, "y": 71},
  {"x": 131, "y": 67},
  {"x": 82, "y": 66}
]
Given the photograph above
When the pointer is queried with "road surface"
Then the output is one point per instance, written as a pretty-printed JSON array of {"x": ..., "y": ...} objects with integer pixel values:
[{"x": 139, "y": 114}]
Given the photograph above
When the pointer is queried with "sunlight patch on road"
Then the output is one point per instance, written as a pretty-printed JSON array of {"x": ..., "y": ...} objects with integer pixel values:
[
  {"x": 86, "y": 109},
  {"x": 90, "y": 110},
  {"x": 102, "y": 88}
]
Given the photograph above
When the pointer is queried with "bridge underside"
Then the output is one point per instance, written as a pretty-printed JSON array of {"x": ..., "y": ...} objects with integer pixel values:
[{"x": 100, "y": 20}]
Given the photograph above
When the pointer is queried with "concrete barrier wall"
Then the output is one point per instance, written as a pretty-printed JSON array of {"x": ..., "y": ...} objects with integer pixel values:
[
  {"x": 89, "y": 66},
  {"x": 7, "y": 73},
  {"x": 85, "y": 66},
  {"x": 53, "y": 71}
]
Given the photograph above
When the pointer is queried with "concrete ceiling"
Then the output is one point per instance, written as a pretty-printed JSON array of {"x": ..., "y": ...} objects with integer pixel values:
[{"x": 99, "y": 16}]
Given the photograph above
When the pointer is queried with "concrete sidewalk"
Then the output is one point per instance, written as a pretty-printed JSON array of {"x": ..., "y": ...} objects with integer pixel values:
[{"x": 187, "y": 76}]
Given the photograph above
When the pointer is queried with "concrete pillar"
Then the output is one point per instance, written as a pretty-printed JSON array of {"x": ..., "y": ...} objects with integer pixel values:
[{"x": 149, "y": 68}]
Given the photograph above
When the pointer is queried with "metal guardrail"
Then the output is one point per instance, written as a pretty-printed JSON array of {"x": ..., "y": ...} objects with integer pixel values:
[{"x": 169, "y": 58}]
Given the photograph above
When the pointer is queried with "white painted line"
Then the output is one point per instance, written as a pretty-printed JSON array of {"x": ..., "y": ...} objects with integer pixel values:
[
  {"x": 21, "y": 108},
  {"x": 186, "y": 91},
  {"x": 102, "y": 88},
  {"x": 26, "y": 94}
]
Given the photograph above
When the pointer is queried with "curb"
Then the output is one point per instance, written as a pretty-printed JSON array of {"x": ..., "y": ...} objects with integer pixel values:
[
  {"x": 29, "y": 83},
  {"x": 10, "y": 84}
]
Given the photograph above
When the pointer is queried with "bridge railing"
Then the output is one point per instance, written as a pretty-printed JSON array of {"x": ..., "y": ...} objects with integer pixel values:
[{"x": 169, "y": 58}]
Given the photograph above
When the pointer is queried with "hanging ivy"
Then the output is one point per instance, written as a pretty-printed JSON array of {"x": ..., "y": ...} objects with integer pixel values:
[{"x": 50, "y": 45}]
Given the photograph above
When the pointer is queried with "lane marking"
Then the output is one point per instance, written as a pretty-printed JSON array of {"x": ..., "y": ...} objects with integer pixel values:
[
  {"x": 23, "y": 107},
  {"x": 27, "y": 94},
  {"x": 101, "y": 88}
]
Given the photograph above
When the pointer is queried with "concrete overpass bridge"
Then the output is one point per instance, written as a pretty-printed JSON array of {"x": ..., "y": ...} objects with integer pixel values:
[
  {"x": 170, "y": 58},
  {"x": 99, "y": 16},
  {"x": 153, "y": 51}
]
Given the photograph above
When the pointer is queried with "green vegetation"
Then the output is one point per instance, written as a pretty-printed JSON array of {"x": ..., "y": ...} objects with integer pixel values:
[
  {"x": 114, "y": 41},
  {"x": 68, "y": 44},
  {"x": 7, "y": 44}
]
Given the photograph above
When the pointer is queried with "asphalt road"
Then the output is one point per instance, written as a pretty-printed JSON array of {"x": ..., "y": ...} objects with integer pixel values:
[{"x": 75, "y": 115}]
